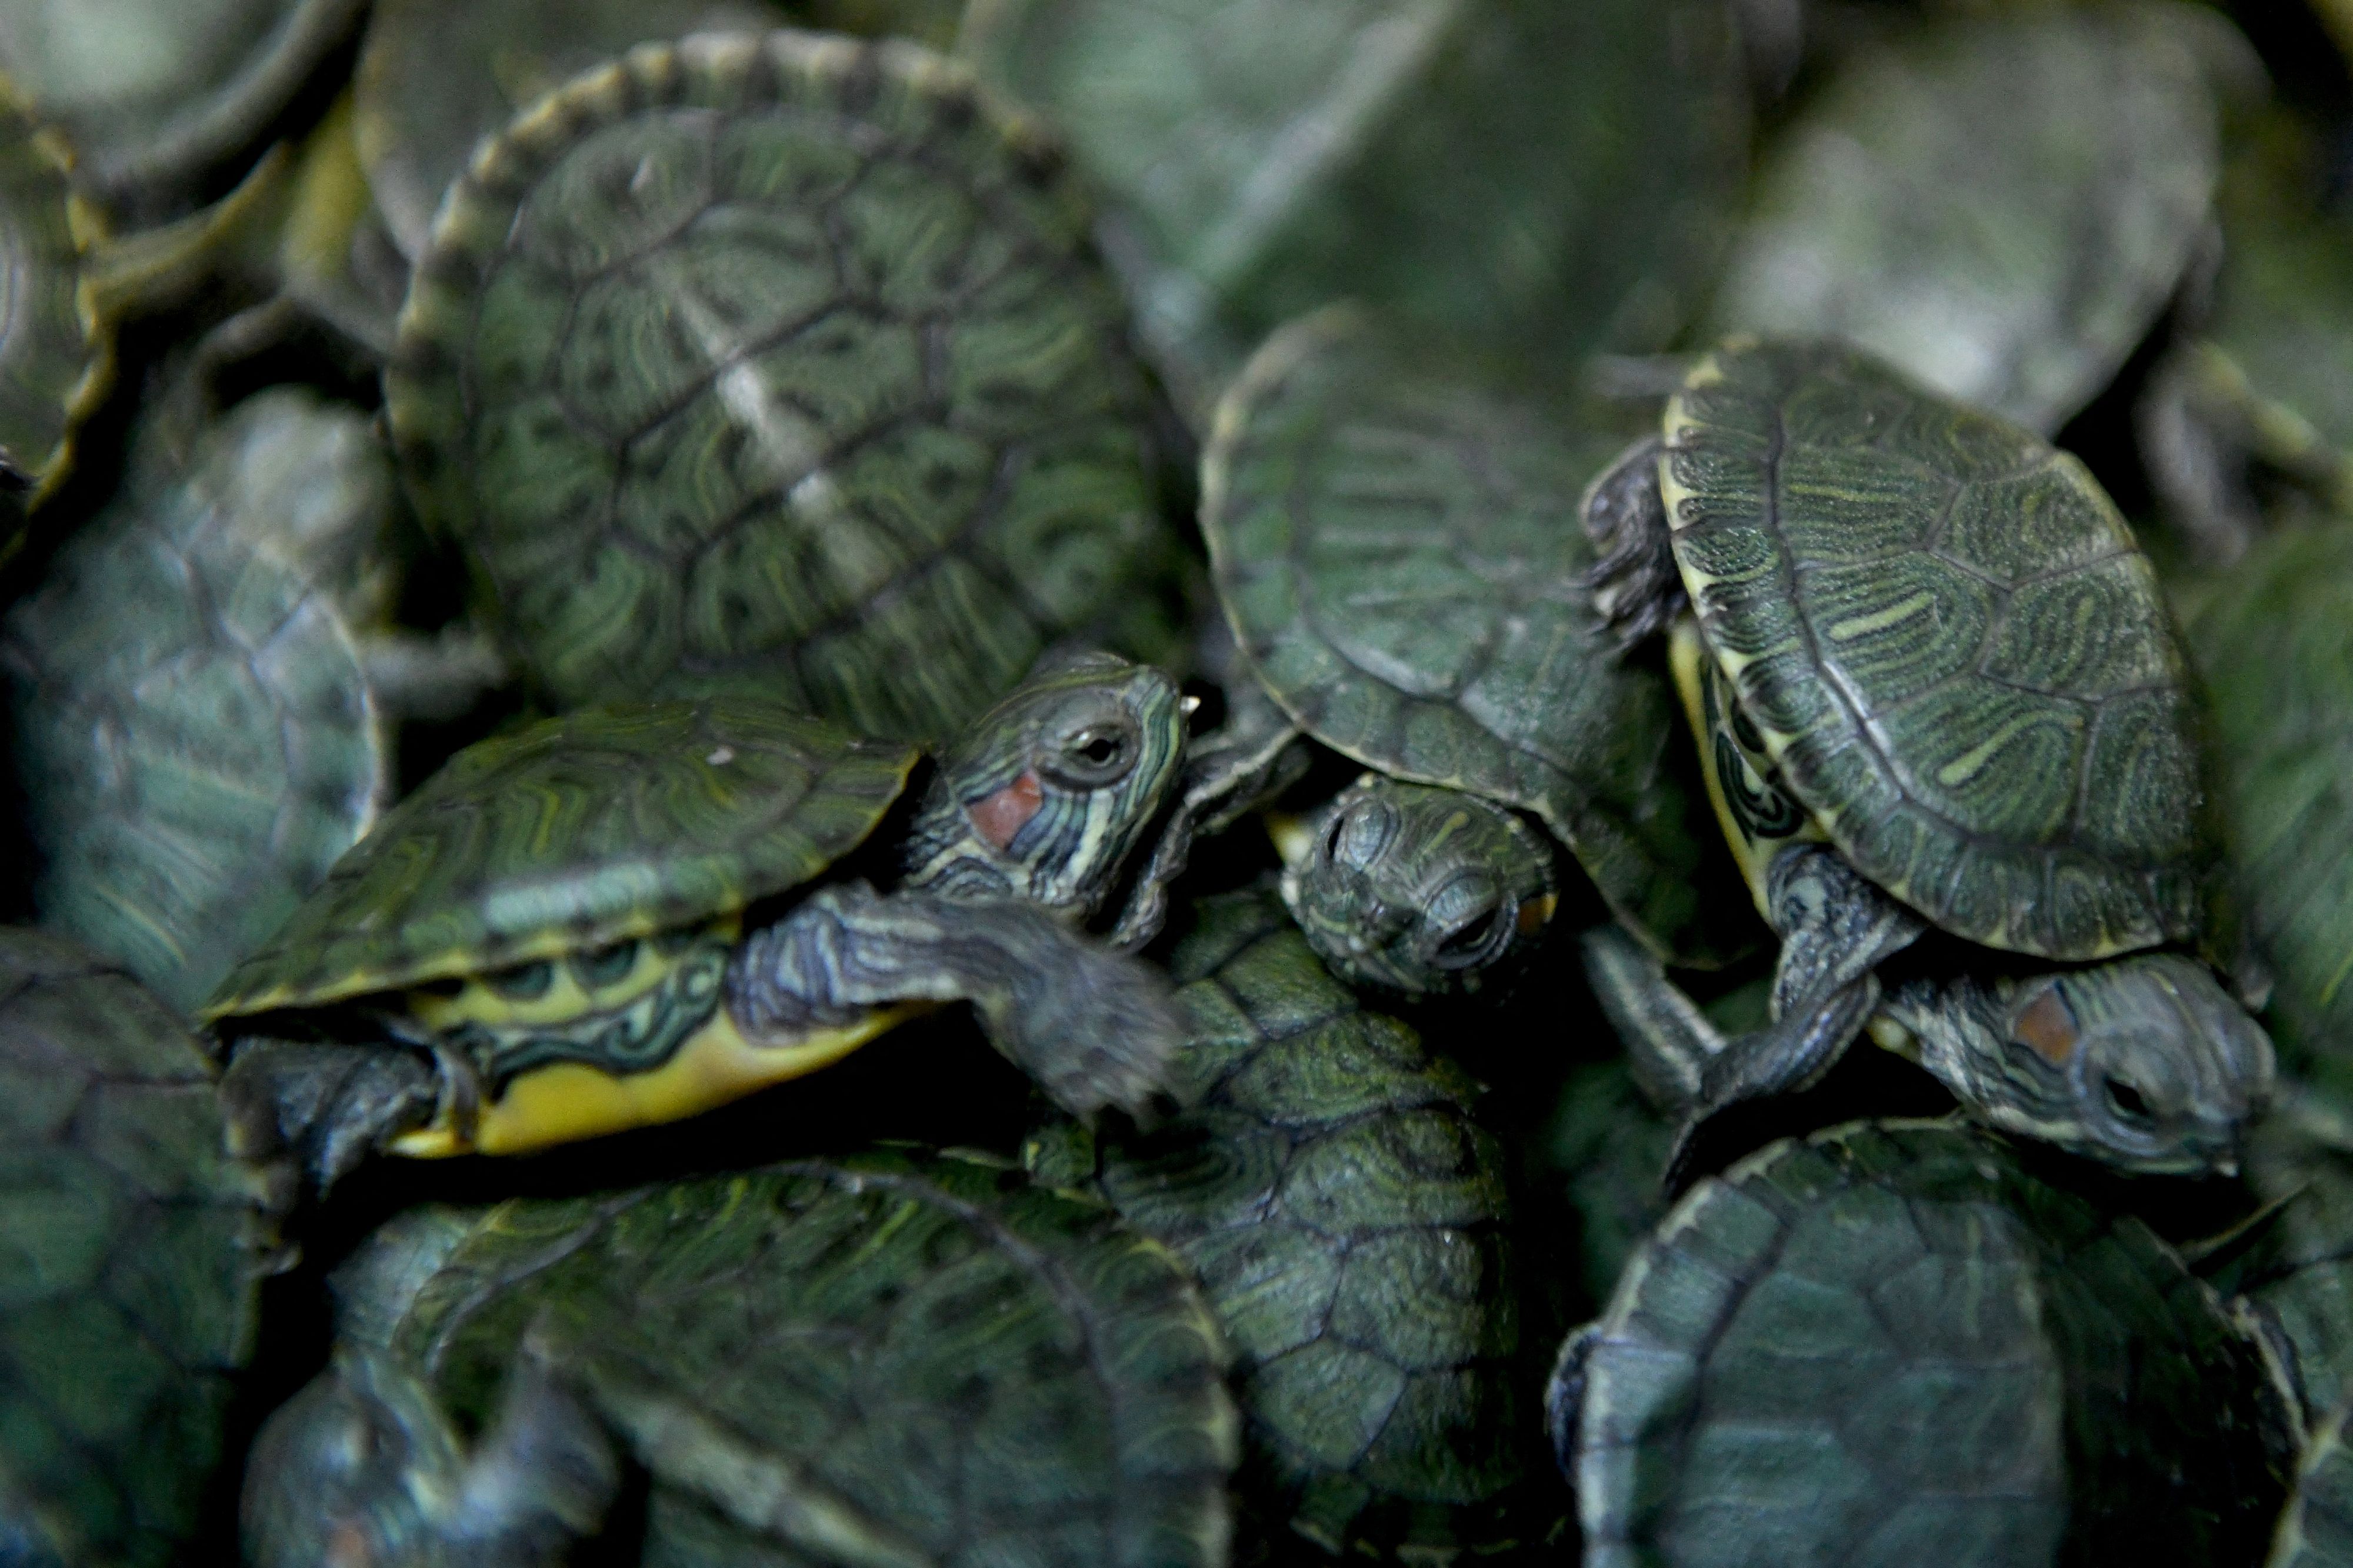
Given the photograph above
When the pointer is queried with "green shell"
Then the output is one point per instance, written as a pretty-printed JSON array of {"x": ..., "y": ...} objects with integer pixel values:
[
  {"x": 195, "y": 739},
  {"x": 134, "y": 1250},
  {"x": 1891, "y": 1343},
  {"x": 578, "y": 831},
  {"x": 968, "y": 1367},
  {"x": 2275, "y": 645},
  {"x": 1605, "y": 1145},
  {"x": 1954, "y": 648},
  {"x": 57, "y": 357},
  {"x": 2001, "y": 207},
  {"x": 781, "y": 358},
  {"x": 2290, "y": 1281},
  {"x": 1348, "y": 1221},
  {"x": 153, "y": 92},
  {"x": 437, "y": 76},
  {"x": 1397, "y": 549},
  {"x": 1534, "y": 177},
  {"x": 2316, "y": 1529}
]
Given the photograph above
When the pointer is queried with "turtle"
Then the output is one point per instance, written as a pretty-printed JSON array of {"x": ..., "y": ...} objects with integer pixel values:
[
  {"x": 1543, "y": 180},
  {"x": 137, "y": 1250},
  {"x": 435, "y": 76},
  {"x": 1935, "y": 687},
  {"x": 1348, "y": 1218},
  {"x": 1394, "y": 544},
  {"x": 581, "y": 925},
  {"x": 155, "y": 94},
  {"x": 198, "y": 735},
  {"x": 1892, "y": 1341},
  {"x": 893, "y": 1357},
  {"x": 2271, "y": 644},
  {"x": 2001, "y": 206},
  {"x": 785, "y": 358},
  {"x": 2254, "y": 393},
  {"x": 2316, "y": 1529}
]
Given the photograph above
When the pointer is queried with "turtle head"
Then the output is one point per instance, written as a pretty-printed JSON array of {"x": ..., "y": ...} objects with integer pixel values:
[
  {"x": 2144, "y": 1063},
  {"x": 1418, "y": 889},
  {"x": 1046, "y": 794}
]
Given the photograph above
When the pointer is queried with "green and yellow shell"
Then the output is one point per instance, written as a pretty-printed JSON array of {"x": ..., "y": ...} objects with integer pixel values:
[
  {"x": 782, "y": 358},
  {"x": 57, "y": 354},
  {"x": 135, "y": 1247},
  {"x": 1397, "y": 547},
  {"x": 1952, "y": 651}
]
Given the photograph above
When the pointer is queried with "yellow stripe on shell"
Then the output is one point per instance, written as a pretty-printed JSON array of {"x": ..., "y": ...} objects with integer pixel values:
[{"x": 1684, "y": 654}]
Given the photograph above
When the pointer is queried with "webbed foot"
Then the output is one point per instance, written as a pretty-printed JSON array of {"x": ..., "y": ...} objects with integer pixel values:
[
  {"x": 329, "y": 1106},
  {"x": 1637, "y": 587}
]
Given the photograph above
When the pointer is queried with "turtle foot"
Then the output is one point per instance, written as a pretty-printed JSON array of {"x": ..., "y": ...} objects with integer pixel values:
[
  {"x": 1637, "y": 588},
  {"x": 327, "y": 1106}
]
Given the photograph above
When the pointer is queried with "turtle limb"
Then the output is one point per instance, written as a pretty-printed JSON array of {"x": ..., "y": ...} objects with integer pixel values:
[
  {"x": 362, "y": 1465},
  {"x": 436, "y": 675},
  {"x": 330, "y": 1105},
  {"x": 1637, "y": 590},
  {"x": 1669, "y": 1041},
  {"x": 1093, "y": 1028},
  {"x": 1255, "y": 755}
]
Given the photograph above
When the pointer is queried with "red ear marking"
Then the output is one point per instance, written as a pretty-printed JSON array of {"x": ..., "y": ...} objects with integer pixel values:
[
  {"x": 998, "y": 817},
  {"x": 2048, "y": 1029}
]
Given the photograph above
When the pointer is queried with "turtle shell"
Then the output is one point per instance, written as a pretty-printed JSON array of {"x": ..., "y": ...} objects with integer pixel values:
[
  {"x": 594, "y": 827},
  {"x": 1539, "y": 179},
  {"x": 437, "y": 76},
  {"x": 153, "y": 92},
  {"x": 136, "y": 1248},
  {"x": 2000, "y": 205},
  {"x": 1953, "y": 648},
  {"x": 195, "y": 739},
  {"x": 893, "y": 1332},
  {"x": 1347, "y": 1219},
  {"x": 782, "y": 357},
  {"x": 1398, "y": 551},
  {"x": 57, "y": 357},
  {"x": 1890, "y": 1343},
  {"x": 2274, "y": 648}
]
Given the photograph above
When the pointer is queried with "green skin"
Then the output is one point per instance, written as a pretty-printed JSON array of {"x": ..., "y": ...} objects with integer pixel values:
[
  {"x": 1420, "y": 890},
  {"x": 2147, "y": 1063},
  {"x": 804, "y": 1359},
  {"x": 972, "y": 921}
]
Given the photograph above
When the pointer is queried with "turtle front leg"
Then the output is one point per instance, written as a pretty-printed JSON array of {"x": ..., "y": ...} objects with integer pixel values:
[
  {"x": 331, "y": 1106},
  {"x": 364, "y": 1467},
  {"x": 1669, "y": 1041},
  {"x": 1637, "y": 587},
  {"x": 1092, "y": 1026}
]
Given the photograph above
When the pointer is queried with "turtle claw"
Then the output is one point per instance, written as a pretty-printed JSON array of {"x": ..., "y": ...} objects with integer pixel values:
[
  {"x": 327, "y": 1106},
  {"x": 1637, "y": 587}
]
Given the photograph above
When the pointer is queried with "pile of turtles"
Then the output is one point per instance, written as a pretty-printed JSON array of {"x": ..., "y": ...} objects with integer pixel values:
[{"x": 1421, "y": 611}]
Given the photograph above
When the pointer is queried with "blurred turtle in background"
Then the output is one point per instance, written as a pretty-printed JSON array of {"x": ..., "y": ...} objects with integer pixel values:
[{"x": 1934, "y": 687}]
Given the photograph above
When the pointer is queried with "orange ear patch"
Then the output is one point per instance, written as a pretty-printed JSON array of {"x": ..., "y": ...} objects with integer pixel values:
[
  {"x": 1535, "y": 912},
  {"x": 998, "y": 817},
  {"x": 2048, "y": 1028}
]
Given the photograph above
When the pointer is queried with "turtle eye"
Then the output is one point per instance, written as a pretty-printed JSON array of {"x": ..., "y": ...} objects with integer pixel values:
[
  {"x": 1090, "y": 755},
  {"x": 1468, "y": 943},
  {"x": 1358, "y": 832},
  {"x": 2127, "y": 1103}
]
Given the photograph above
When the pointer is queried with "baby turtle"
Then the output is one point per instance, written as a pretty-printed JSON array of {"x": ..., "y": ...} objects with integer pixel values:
[
  {"x": 573, "y": 928},
  {"x": 2000, "y": 205},
  {"x": 782, "y": 358},
  {"x": 890, "y": 1359},
  {"x": 1934, "y": 686},
  {"x": 1348, "y": 1220},
  {"x": 136, "y": 1246},
  {"x": 198, "y": 735},
  {"x": 1397, "y": 548},
  {"x": 1891, "y": 1343}
]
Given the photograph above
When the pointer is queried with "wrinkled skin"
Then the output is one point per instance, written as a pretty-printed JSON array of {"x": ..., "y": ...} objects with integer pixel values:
[{"x": 1419, "y": 890}]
